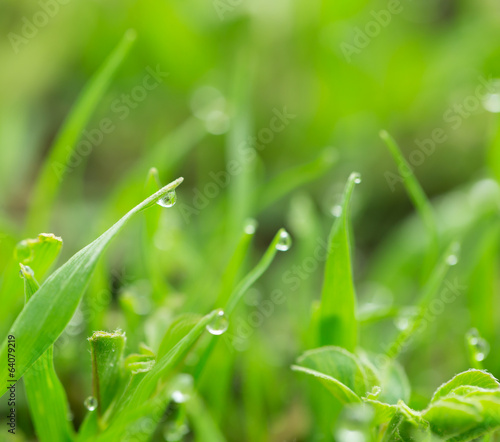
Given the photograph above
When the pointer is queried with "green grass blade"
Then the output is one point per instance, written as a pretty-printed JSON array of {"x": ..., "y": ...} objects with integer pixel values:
[
  {"x": 47, "y": 314},
  {"x": 236, "y": 262},
  {"x": 418, "y": 197},
  {"x": 338, "y": 324},
  {"x": 47, "y": 399},
  {"x": 428, "y": 292},
  {"x": 52, "y": 172},
  {"x": 291, "y": 179},
  {"x": 254, "y": 274}
]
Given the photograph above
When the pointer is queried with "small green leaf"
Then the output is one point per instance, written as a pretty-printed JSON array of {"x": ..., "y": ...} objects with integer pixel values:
[
  {"x": 475, "y": 378},
  {"x": 338, "y": 324},
  {"x": 339, "y": 371}
]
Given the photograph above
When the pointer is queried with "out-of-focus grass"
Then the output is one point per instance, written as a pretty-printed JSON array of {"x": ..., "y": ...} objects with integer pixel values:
[{"x": 261, "y": 59}]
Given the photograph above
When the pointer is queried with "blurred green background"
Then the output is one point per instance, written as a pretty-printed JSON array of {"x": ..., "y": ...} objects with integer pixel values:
[{"x": 342, "y": 71}]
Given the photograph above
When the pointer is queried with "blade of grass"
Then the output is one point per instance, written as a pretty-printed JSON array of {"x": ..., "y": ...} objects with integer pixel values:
[
  {"x": 337, "y": 323},
  {"x": 428, "y": 293},
  {"x": 47, "y": 399},
  {"x": 47, "y": 314},
  {"x": 48, "y": 182},
  {"x": 417, "y": 195},
  {"x": 289, "y": 180}
]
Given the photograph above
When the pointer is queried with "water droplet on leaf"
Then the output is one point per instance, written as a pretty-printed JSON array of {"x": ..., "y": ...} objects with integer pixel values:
[
  {"x": 90, "y": 403},
  {"x": 168, "y": 200},
  {"x": 284, "y": 242},
  {"x": 219, "y": 324}
]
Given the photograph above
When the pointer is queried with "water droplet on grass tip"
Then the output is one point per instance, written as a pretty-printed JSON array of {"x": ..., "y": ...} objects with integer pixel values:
[
  {"x": 452, "y": 260},
  {"x": 90, "y": 403},
  {"x": 479, "y": 346},
  {"x": 168, "y": 200},
  {"x": 337, "y": 210},
  {"x": 28, "y": 270},
  {"x": 219, "y": 324},
  {"x": 356, "y": 177},
  {"x": 250, "y": 227},
  {"x": 284, "y": 242}
]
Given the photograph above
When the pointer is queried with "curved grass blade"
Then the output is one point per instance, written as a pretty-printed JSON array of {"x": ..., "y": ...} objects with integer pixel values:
[
  {"x": 428, "y": 292},
  {"x": 284, "y": 183},
  {"x": 47, "y": 314},
  {"x": 47, "y": 399},
  {"x": 55, "y": 164},
  {"x": 238, "y": 293},
  {"x": 418, "y": 197},
  {"x": 254, "y": 274},
  {"x": 337, "y": 314}
]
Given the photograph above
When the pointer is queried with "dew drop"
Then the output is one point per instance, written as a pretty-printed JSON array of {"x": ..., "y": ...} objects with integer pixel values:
[
  {"x": 337, "y": 210},
  {"x": 173, "y": 432},
  {"x": 250, "y": 227},
  {"x": 356, "y": 177},
  {"x": 452, "y": 260},
  {"x": 168, "y": 200},
  {"x": 479, "y": 346},
  {"x": 284, "y": 242},
  {"x": 219, "y": 324},
  {"x": 491, "y": 101},
  {"x": 28, "y": 270},
  {"x": 402, "y": 323},
  {"x": 90, "y": 403},
  {"x": 183, "y": 387},
  {"x": 346, "y": 435}
]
